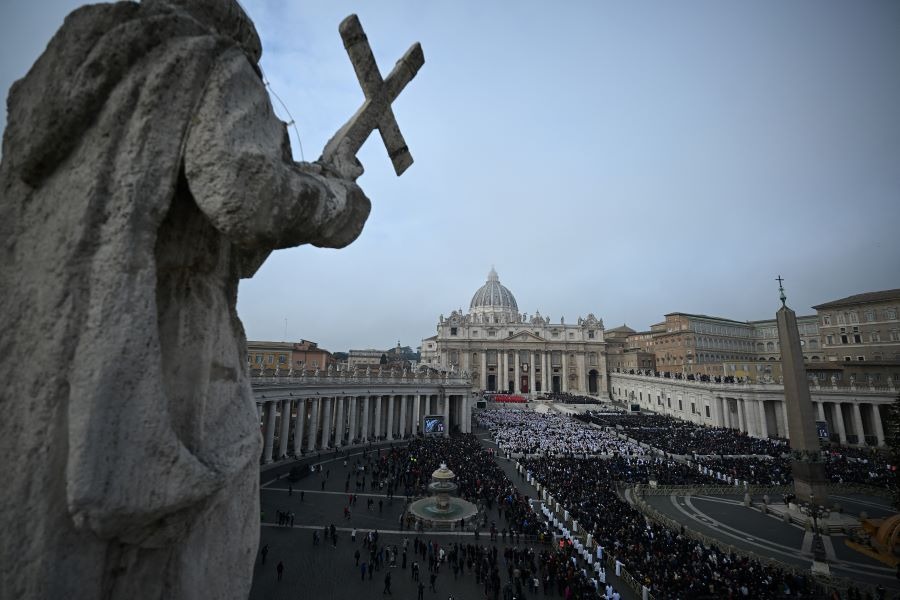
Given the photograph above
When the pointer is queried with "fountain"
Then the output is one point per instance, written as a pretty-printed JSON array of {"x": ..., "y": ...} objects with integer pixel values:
[{"x": 441, "y": 510}]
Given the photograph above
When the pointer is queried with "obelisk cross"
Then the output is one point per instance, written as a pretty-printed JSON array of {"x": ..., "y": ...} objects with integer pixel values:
[
  {"x": 781, "y": 289},
  {"x": 340, "y": 151}
]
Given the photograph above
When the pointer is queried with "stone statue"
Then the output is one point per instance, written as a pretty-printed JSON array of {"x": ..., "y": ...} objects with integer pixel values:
[
  {"x": 144, "y": 174},
  {"x": 368, "y": 371}
]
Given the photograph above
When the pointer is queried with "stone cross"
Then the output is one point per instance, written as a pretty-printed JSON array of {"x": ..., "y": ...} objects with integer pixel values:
[{"x": 375, "y": 112}]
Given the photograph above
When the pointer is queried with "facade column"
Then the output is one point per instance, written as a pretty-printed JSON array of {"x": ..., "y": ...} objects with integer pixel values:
[
  {"x": 377, "y": 417},
  {"x": 313, "y": 425},
  {"x": 402, "y": 431},
  {"x": 565, "y": 372},
  {"x": 416, "y": 416},
  {"x": 299, "y": 424},
  {"x": 389, "y": 430},
  {"x": 269, "y": 433},
  {"x": 531, "y": 360},
  {"x": 763, "y": 424},
  {"x": 484, "y": 369},
  {"x": 285, "y": 428},
  {"x": 517, "y": 385},
  {"x": 446, "y": 415},
  {"x": 354, "y": 410},
  {"x": 339, "y": 428},
  {"x": 820, "y": 410},
  {"x": 838, "y": 415},
  {"x": 860, "y": 430},
  {"x": 581, "y": 371},
  {"x": 365, "y": 429},
  {"x": 876, "y": 421}
]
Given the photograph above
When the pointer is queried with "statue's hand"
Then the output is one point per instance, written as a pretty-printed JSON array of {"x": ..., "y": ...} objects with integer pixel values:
[{"x": 343, "y": 212}]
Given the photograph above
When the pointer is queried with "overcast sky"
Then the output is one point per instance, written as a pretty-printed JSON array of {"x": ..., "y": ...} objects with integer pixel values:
[{"x": 627, "y": 159}]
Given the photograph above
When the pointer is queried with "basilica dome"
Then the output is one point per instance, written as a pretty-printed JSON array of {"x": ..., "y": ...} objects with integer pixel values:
[{"x": 494, "y": 298}]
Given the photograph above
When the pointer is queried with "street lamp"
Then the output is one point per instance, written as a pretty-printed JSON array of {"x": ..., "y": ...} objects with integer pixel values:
[{"x": 818, "y": 546}]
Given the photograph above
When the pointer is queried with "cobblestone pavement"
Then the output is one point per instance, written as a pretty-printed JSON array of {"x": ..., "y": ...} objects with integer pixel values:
[{"x": 328, "y": 572}]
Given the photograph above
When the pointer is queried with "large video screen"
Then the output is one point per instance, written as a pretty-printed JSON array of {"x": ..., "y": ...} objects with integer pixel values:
[{"x": 433, "y": 424}]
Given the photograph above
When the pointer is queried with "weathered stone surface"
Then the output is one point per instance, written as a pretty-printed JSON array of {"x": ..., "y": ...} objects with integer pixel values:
[{"x": 144, "y": 173}]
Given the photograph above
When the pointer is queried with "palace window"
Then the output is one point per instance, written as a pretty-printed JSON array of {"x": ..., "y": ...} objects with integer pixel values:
[
  {"x": 453, "y": 331},
  {"x": 844, "y": 339},
  {"x": 270, "y": 359},
  {"x": 590, "y": 334},
  {"x": 870, "y": 315},
  {"x": 259, "y": 358},
  {"x": 474, "y": 333},
  {"x": 857, "y": 339},
  {"x": 890, "y": 313},
  {"x": 282, "y": 359},
  {"x": 826, "y": 319}
]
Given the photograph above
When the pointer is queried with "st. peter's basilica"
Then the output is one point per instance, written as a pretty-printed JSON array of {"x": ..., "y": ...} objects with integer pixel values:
[{"x": 505, "y": 350}]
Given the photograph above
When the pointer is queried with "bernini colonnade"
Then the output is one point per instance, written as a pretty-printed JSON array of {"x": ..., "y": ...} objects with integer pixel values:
[{"x": 309, "y": 413}]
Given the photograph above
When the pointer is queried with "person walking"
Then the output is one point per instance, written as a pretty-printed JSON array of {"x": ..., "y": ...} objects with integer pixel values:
[
  {"x": 356, "y": 556},
  {"x": 264, "y": 552},
  {"x": 362, "y": 569},
  {"x": 280, "y": 569},
  {"x": 421, "y": 591},
  {"x": 433, "y": 578},
  {"x": 387, "y": 585}
]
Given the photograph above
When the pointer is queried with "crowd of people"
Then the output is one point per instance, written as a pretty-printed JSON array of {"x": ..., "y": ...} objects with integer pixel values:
[
  {"x": 669, "y": 563},
  {"x": 527, "y": 432},
  {"x": 567, "y": 398},
  {"x": 682, "y": 437},
  {"x": 740, "y": 456}
]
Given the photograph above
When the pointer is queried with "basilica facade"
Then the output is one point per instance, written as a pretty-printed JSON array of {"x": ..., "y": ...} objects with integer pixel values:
[{"x": 504, "y": 350}]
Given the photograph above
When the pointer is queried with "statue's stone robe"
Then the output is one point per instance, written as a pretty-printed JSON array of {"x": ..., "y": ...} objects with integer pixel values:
[{"x": 143, "y": 174}]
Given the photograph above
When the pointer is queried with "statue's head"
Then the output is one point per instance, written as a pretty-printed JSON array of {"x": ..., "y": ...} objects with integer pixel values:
[{"x": 225, "y": 17}]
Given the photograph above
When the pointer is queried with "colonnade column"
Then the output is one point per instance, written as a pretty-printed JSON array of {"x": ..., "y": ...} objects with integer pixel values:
[
  {"x": 326, "y": 423},
  {"x": 820, "y": 410},
  {"x": 464, "y": 416},
  {"x": 879, "y": 428},
  {"x": 402, "y": 431},
  {"x": 313, "y": 424},
  {"x": 787, "y": 427},
  {"x": 285, "y": 428},
  {"x": 339, "y": 427},
  {"x": 269, "y": 432},
  {"x": 390, "y": 417},
  {"x": 763, "y": 424},
  {"x": 354, "y": 432},
  {"x": 377, "y": 432},
  {"x": 416, "y": 416},
  {"x": 299, "y": 424},
  {"x": 365, "y": 428},
  {"x": 838, "y": 416},
  {"x": 446, "y": 415},
  {"x": 857, "y": 419}
]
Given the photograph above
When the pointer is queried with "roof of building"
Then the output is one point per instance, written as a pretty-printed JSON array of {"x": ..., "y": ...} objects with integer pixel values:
[
  {"x": 882, "y": 296},
  {"x": 622, "y": 328},
  {"x": 493, "y": 295},
  {"x": 706, "y": 317}
]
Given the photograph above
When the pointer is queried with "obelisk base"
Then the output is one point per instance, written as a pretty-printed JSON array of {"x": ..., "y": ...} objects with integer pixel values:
[{"x": 810, "y": 482}]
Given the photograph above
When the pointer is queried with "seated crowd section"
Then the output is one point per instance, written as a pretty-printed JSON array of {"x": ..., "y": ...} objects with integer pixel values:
[{"x": 582, "y": 461}]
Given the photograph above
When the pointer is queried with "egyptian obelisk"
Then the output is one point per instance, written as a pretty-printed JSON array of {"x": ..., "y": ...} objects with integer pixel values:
[{"x": 806, "y": 464}]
